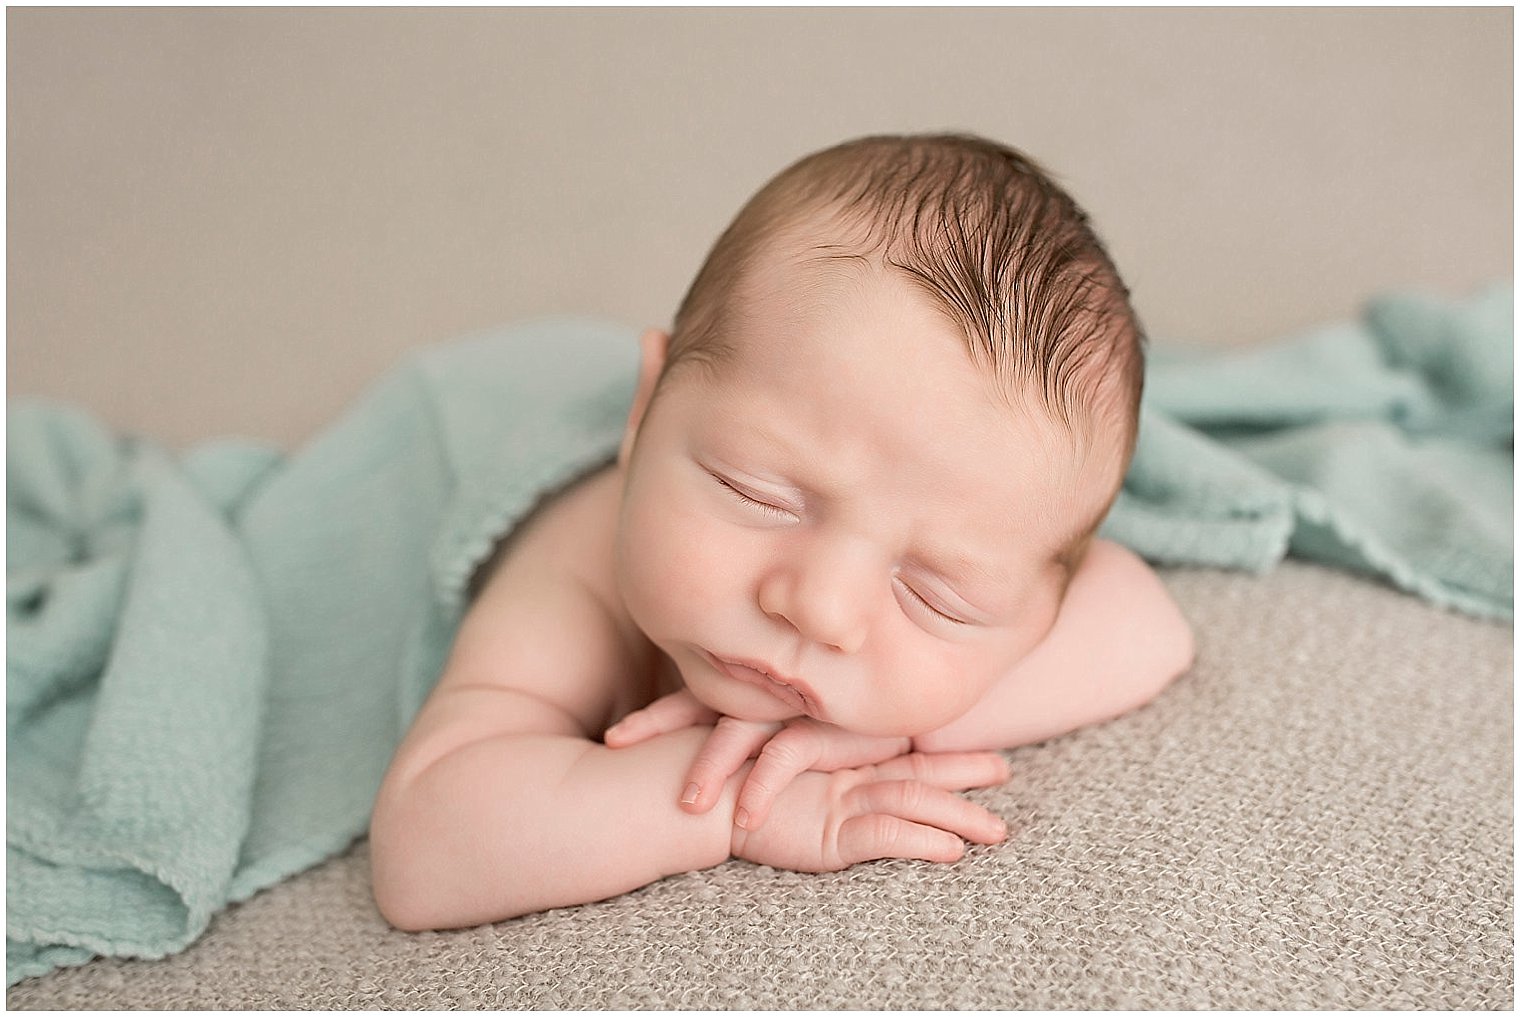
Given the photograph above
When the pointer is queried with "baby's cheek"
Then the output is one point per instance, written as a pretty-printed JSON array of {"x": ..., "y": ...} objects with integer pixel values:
[
  {"x": 667, "y": 563},
  {"x": 952, "y": 683},
  {"x": 643, "y": 564},
  {"x": 694, "y": 552}
]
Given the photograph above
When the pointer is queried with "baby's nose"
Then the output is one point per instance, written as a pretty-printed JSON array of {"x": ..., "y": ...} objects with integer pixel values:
[{"x": 825, "y": 597}]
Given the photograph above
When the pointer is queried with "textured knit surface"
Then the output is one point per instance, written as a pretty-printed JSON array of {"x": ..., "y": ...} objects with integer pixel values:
[{"x": 1320, "y": 814}]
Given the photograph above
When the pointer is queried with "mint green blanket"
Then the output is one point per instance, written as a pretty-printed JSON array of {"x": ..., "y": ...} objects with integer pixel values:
[
  {"x": 211, "y": 658},
  {"x": 1385, "y": 447}
]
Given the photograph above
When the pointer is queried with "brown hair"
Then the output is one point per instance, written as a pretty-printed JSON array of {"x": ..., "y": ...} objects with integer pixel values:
[{"x": 985, "y": 232}]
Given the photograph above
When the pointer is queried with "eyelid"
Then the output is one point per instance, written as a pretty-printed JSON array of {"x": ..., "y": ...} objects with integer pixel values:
[
  {"x": 971, "y": 605},
  {"x": 748, "y": 497},
  {"x": 927, "y": 605}
]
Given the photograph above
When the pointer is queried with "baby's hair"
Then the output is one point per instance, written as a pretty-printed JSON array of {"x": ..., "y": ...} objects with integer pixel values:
[{"x": 984, "y": 231}]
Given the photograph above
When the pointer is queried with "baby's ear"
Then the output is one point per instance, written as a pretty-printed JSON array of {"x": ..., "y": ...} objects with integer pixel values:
[{"x": 653, "y": 345}]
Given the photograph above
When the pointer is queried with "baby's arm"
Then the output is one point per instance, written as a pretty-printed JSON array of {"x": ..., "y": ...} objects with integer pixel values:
[
  {"x": 523, "y": 822},
  {"x": 1118, "y": 640},
  {"x": 498, "y": 803},
  {"x": 519, "y": 823}
]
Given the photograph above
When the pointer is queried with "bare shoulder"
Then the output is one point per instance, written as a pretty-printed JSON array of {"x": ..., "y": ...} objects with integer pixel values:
[{"x": 544, "y": 623}]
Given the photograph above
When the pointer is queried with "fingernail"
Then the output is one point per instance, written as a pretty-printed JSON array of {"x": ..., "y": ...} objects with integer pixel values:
[
  {"x": 691, "y": 794},
  {"x": 741, "y": 819}
]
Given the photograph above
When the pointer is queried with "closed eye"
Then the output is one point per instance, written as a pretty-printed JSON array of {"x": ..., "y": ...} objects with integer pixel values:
[
  {"x": 763, "y": 506},
  {"x": 918, "y": 599}
]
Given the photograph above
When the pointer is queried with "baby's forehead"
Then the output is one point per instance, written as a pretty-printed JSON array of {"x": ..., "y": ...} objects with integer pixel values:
[{"x": 803, "y": 273}]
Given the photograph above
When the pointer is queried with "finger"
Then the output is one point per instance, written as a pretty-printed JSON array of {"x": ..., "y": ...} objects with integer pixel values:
[
  {"x": 955, "y": 771},
  {"x": 866, "y": 838},
  {"x": 922, "y": 803},
  {"x": 668, "y": 713},
  {"x": 840, "y": 750},
  {"x": 730, "y": 744},
  {"x": 795, "y": 749}
]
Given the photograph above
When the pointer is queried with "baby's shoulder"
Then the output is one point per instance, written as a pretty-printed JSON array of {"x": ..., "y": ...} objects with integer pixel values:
[
  {"x": 546, "y": 618},
  {"x": 556, "y": 515}
]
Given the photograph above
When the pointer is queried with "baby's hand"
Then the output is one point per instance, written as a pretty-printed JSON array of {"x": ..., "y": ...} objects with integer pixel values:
[
  {"x": 666, "y": 714},
  {"x": 784, "y": 749},
  {"x": 904, "y": 808},
  {"x": 782, "y": 752}
]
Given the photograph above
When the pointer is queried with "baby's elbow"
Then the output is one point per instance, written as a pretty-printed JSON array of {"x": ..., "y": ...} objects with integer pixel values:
[
  {"x": 392, "y": 897},
  {"x": 1186, "y": 649},
  {"x": 1175, "y": 649},
  {"x": 405, "y": 901},
  {"x": 397, "y": 908},
  {"x": 401, "y": 894}
]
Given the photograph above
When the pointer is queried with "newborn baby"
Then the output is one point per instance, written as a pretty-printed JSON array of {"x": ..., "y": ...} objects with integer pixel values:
[{"x": 846, "y": 550}]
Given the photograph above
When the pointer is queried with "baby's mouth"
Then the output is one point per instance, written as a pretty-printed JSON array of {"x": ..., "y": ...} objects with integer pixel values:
[{"x": 755, "y": 673}]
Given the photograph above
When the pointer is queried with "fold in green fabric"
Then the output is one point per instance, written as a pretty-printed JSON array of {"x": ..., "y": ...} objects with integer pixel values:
[
  {"x": 211, "y": 658},
  {"x": 1385, "y": 447},
  {"x": 210, "y": 662}
]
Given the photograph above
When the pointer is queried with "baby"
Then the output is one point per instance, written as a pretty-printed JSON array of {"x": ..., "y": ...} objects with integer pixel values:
[{"x": 846, "y": 552}]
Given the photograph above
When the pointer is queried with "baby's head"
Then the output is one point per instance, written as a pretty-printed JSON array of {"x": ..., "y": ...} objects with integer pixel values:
[{"x": 897, "y": 402}]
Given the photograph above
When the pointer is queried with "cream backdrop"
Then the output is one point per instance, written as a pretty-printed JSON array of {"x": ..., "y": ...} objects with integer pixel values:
[{"x": 231, "y": 221}]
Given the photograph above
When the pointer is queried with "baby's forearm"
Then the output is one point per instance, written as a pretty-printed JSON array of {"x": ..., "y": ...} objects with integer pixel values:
[{"x": 524, "y": 822}]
